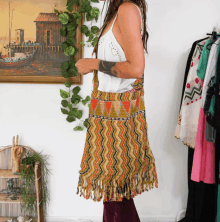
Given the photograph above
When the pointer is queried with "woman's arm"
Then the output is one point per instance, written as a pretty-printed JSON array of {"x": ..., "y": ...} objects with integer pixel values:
[{"x": 130, "y": 25}]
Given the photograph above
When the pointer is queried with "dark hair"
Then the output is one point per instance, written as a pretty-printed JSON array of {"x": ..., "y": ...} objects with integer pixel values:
[{"x": 111, "y": 11}]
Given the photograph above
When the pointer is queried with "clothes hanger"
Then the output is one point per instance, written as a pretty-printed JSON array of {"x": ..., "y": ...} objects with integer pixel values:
[{"x": 213, "y": 37}]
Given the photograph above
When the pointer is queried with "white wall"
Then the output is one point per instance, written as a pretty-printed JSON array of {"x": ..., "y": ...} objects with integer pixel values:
[{"x": 32, "y": 111}]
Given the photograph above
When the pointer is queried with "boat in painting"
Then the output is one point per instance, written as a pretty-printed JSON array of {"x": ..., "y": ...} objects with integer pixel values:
[
  {"x": 12, "y": 59},
  {"x": 19, "y": 59}
]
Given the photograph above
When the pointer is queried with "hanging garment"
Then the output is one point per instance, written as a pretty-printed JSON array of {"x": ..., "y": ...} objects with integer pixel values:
[
  {"x": 189, "y": 60},
  {"x": 117, "y": 160},
  {"x": 201, "y": 70},
  {"x": 217, "y": 144},
  {"x": 209, "y": 105},
  {"x": 187, "y": 124},
  {"x": 110, "y": 50},
  {"x": 204, "y": 157},
  {"x": 211, "y": 68}
]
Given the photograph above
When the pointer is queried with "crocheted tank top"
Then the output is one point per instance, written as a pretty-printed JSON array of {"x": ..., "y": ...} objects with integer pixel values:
[{"x": 110, "y": 50}]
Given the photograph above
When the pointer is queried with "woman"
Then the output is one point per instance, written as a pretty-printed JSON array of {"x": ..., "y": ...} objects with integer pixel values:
[{"x": 117, "y": 161}]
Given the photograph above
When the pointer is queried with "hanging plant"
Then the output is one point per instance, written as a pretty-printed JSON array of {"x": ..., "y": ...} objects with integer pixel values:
[
  {"x": 28, "y": 182},
  {"x": 70, "y": 21}
]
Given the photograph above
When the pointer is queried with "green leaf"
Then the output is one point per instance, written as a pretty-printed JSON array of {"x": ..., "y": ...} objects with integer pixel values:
[
  {"x": 77, "y": 20},
  {"x": 64, "y": 45},
  {"x": 65, "y": 74},
  {"x": 76, "y": 101},
  {"x": 87, "y": 98},
  {"x": 78, "y": 128},
  {"x": 64, "y": 111},
  {"x": 70, "y": 119},
  {"x": 76, "y": 2},
  {"x": 72, "y": 71},
  {"x": 94, "y": 41},
  {"x": 70, "y": 8},
  {"x": 69, "y": 51},
  {"x": 70, "y": 106},
  {"x": 71, "y": 26},
  {"x": 87, "y": 33},
  {"x": 85, "y": 123},
  {"x": 64, "y": 94},
  {"x": 94, "y": 29},
  {"x": 72, "y": 62},
  {"x": 73, "y": 112},
  {"x": 90, "y": 37},
  {"x": 71, "y": 40},
  {"x": 69, "y": 3},
  {"x": 65, "y": 65},
  {"x": 84, "y": 102},
  {"x": 71, "y": 33},
  {"x": 96, "y": 1},
  {"x": 84, "y": 29},
  {"x": 88, "y": 17},
  {"x": 95, "y": 13},
  {"x": 64, "y": 103},
  {"x": 79, "y": 114},
  {"x": 56, "y": 11},
  {"x": 64, "y": 18},
  {"x": 82, "y": 43},
  {"x": 67, "y": 84},
  {"x": 88, "y": 7},
  {"x": 76, "y": 89},
  {"x": 63, "y": 31}
]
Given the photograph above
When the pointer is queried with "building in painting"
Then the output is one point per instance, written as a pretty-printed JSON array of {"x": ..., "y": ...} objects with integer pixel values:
[
  {"x": 48, "y": 28},
  {"x": 19, "y": 35}
]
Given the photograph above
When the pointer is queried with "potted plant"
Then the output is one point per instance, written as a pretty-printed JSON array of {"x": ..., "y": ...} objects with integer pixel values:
[{"x": 28, "y": 192}]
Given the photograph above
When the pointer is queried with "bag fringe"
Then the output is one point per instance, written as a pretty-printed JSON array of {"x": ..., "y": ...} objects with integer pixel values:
[{"x": 114, "y": 190}]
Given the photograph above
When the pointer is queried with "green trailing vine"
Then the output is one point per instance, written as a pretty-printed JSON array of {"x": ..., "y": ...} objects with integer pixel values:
[
  {"x": 70, "y": 21},
  {"x": 28, "y": 182}
]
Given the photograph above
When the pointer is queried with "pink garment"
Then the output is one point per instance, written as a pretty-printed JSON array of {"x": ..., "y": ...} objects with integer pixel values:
[{"x": 204, "y": 156}]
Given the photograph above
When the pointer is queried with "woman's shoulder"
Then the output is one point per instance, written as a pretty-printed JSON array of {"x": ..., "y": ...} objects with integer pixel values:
[
  {"x": 129, "y": 8},
  {"x": 128, "y": 5}
]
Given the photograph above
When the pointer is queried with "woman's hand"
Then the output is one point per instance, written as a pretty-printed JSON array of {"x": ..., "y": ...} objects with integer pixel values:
[{"x": 86, "y": 65}]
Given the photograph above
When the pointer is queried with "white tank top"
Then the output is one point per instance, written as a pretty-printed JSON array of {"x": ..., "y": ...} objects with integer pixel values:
[{"x": 110, "y": 50}]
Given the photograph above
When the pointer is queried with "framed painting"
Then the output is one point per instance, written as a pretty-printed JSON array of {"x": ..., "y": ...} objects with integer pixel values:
[{"x": 30, "y": 42}]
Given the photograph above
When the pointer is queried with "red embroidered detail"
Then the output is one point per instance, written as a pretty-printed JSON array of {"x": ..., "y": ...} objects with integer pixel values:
[
  {"x": 94, "y": 103},
  {"x": 137, "y": 102},
  {"x": 188, "y": 85},
  {"x": 108, "y": 105},
  {"x": 127, "y": 105}
]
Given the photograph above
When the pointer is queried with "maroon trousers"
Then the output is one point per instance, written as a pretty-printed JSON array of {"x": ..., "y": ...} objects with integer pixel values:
[{"x": 120, "y": 211}]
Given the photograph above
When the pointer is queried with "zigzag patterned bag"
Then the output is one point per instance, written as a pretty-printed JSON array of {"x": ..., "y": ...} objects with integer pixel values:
[{"x": 117, "y": 160}]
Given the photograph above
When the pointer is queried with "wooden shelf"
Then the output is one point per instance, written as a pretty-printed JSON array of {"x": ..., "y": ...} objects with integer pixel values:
[
  {"x": 4, "y": 219},
  {"x": 8, "y": 174},
  {"x": 5, "y": 154},
  {"x": 5, "y": 199}
]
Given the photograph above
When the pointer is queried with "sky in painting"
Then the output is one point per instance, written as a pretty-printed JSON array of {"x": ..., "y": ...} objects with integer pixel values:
[{"x": 24, "y": 14}]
